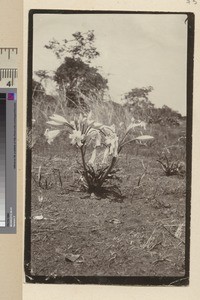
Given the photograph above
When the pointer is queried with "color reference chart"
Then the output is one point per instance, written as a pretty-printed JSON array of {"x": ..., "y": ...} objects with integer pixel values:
[
  {"x": 8, "y": 113},
  {"x": 2, "y": 159}
]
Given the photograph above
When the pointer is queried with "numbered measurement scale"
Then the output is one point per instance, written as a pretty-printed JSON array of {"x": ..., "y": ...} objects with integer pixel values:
[{"x": 8, "y": 131}]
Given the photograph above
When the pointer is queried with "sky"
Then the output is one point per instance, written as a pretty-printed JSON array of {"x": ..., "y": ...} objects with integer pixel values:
[{"x": 136, "y": 50}]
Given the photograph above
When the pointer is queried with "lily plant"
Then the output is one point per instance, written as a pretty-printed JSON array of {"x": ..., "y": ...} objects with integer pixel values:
[{"x": 99, "y": 145}]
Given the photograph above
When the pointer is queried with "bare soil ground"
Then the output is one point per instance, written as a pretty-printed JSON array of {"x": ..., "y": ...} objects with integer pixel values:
[{"x": 77, "y": 234}]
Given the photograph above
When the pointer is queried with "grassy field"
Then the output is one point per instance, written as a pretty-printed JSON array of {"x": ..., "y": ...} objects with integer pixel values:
[{"x": 74, "y": 233}]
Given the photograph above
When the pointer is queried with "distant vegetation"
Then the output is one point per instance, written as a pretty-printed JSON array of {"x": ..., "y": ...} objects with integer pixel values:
[{"x": 81, "y": 85}]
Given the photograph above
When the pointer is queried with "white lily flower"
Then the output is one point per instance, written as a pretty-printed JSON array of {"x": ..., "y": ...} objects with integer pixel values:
[
  {"x": 98, "y": 140},
  {"x": 54, "y": 123},
  {"x": 105, "y": 156},
  {"x": 76, "y": 138},
  {"x": 93, "y": 157},
  {"x": 133, "y": 125},
  {"x": 72, "y": 123},
  {"x": 114, "y": 147},
  {"x": 93, "y": 135},
  {"x": 144, "y": 137},
  {"x": 109, "y": 129},
  {"x": 108, "y": 140},
  {"x": 51, "y": 135},
  {"x": 97, "y": 125},
  {"x": 143, "y": 124},
  {"x": 58, "y": 119},
  {"x": 91, "y": 132},
  {"x": 112, "y": 142}
]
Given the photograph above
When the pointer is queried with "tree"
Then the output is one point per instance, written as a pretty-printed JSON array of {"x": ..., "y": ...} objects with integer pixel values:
[
  {"x": 37, "y": 89},
  {"x": 75, "y": 76},
  {"x": 80, "y": 81},
  {"x": 80, "y": 46},
  {"x": 138, "y": 103}
]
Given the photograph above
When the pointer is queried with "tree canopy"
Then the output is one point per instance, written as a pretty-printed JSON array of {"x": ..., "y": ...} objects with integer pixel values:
[
  {"x": 79, "y": 80},
  {"x": 75, "y": 75},
  {"x": 80, "y": 46},
  {"x": 137, "y": 101}
]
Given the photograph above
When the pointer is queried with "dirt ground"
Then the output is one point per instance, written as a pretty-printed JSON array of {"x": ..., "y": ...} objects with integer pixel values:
[{"x": 77, "y": 234}]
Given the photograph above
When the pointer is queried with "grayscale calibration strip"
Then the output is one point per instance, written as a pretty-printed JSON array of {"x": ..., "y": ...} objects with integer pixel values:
[{"x": 8, "y": 130}]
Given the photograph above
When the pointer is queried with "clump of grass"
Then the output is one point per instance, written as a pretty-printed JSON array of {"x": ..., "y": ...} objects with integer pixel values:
[{"x": 171, "y": 167}]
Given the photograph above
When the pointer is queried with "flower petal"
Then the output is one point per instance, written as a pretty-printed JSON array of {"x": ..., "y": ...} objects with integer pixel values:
[
  {"x": 51, "y": 135},
  {"x": 144, "y": 137},
  {"x": 54, "y": 123},
  {"x": 108, "y": 129},
  {"x": 98, "y": 140},
  {"x": 76, "y": 137},
  {"x": 97, "y": 125},
  {"x": 105, "y": 156},
  {"x": 133, "y": 125},
  {"x": 93, "y": 157},
  {"x": 58, "y": 119}
]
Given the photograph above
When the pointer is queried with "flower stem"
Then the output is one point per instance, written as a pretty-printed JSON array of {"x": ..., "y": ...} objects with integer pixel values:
[
  {"x": 114, "y": 159},
  {"x": 125, "y": 143},
  {"x": 84, "y": 166}
]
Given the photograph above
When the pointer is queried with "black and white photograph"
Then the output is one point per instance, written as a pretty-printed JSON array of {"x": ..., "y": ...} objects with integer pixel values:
[{"x": 108, "y": 147}]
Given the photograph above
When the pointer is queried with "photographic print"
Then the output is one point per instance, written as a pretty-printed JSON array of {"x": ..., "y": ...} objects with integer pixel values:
[{"x": 109, "y": 139}]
